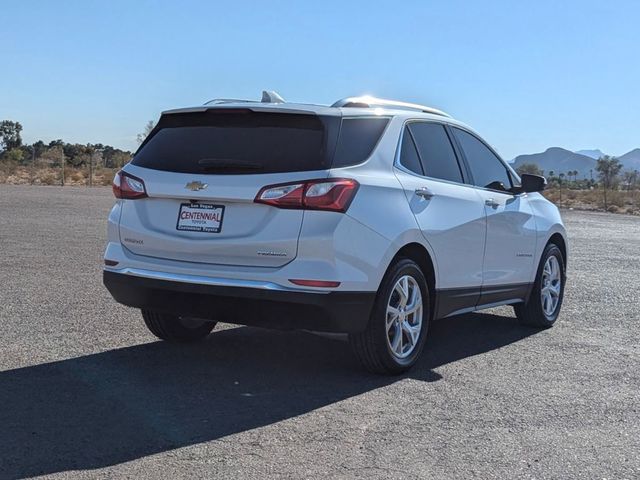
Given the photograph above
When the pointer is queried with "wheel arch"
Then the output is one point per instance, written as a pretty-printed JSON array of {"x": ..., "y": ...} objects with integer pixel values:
[
  {"x": 558, "y": 239},
  {"x": 419, "y": 254}
]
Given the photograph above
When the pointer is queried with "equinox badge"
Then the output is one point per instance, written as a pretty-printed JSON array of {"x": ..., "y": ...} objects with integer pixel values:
[{"x": 195, "y": 186}]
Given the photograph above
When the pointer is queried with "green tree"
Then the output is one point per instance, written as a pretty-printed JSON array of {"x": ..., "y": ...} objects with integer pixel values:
[
  {"x": 77, "y": 155},
  {"x": 39, "y": 148},
  {"x": 531, "y": 168},
  {"x": 15, "y": 155},
  {"x": 120, "y": 158},
  {"x": 608, "y": 169},
  {"x": 147, "y": 130},
  {"x": 10, "y": 135},
  {"x": 53, "y": 155}
]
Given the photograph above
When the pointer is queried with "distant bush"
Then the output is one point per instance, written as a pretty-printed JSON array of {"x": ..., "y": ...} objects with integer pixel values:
[
  {"x": 49, "y": 179},
  {"x": 619, "y": 201},
  {"x": 106, "y": 180},
  {"x": 77, "y": 176}
]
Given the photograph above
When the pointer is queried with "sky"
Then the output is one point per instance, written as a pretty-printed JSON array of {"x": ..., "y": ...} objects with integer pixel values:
[{"x": 525, "y": 75}]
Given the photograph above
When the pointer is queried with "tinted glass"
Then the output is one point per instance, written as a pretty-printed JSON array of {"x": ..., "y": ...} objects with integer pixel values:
[
  {"x": 239, "y": 141},
  {"x": 408, "y": 155},
  {"x": 486, "y": 168},
  {"x": 358, "y": 137},
  {"x": 437, "y": 154}
]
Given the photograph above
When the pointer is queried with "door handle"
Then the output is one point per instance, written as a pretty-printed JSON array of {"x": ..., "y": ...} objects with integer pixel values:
[
  {"x": 424, "y": 192},
  {"x": 490, "y": 202}
]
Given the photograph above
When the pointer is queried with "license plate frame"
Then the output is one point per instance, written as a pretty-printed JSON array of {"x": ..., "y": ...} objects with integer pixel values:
[{"x": 186, "y": 223}]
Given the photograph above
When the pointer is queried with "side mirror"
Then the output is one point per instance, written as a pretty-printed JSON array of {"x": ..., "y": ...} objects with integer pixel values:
[{"x": 532, "y": 183}]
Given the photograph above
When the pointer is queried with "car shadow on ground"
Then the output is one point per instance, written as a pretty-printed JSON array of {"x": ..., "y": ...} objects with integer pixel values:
[{"x": 112, "y": 407}]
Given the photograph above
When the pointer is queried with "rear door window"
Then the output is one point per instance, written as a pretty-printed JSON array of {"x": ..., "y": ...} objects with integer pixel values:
[{"x": 436, "y": 152}]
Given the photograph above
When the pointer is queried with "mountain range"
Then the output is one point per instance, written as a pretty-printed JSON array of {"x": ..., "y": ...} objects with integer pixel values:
[
  {"x": 596, "y": 153},
  {"x": 561, "y": 160}
]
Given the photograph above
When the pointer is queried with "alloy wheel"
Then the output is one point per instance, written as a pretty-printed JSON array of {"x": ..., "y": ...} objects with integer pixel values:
[
  {"x": 404, "y": 317},
  {"x": 551, "y": 286}
]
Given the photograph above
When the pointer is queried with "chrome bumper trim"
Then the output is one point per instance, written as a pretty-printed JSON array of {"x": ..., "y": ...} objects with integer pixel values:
[{"x": 214, "y": 281}]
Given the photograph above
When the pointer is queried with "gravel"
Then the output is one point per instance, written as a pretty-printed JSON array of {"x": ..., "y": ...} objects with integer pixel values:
[{"x": 86, "y": 390}]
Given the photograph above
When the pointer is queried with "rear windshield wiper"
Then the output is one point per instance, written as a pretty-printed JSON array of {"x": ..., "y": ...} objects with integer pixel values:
[{"x": 223, "y": 164}]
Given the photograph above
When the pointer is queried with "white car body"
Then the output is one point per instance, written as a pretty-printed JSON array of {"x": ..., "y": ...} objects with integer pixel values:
[{"x": 481, "y": 246}]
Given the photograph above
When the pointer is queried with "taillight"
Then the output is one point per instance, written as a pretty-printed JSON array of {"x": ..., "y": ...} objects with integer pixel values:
[
  {"x": 128, "y": 187},
  {"x": 332, "y": 194}
]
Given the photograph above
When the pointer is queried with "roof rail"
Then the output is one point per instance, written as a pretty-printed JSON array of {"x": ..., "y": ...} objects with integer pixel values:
[
  {"x": 268, "y": 96},
  {"x": 217, "y": 101},
  {"x": 372, "y": 102}
]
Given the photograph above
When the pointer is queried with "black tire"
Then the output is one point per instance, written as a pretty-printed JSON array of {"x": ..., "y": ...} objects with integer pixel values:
[
  {"x": 531, "y": 313},
  {"x": 173, "y": 328},
  {"x": 372, "y": 346}
]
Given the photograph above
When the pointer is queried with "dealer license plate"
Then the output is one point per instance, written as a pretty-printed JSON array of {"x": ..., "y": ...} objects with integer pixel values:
[{"x": 200, "y": 217}]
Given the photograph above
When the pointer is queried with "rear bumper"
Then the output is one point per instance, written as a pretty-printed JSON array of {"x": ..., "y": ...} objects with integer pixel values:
[{"x": 342, "y": 312}]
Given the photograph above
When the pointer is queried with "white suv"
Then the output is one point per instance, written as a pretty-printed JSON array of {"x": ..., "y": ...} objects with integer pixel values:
[{"x": 370, "y": 217}]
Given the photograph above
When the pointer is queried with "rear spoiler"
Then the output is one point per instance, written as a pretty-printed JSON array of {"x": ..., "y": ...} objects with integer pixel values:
[{"x": 253, "y": 108}]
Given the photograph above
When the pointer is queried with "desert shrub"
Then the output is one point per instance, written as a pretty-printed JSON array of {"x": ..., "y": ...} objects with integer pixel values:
[
  {"x": 616, "y": 198},
  {"x": 104, "y": 176},
  {"x": 106, "y": 180},
  {"x": 77, "y": 176},
  {"x": 591, "y": 196},
  {"x": 552, "y": 195},
  {"x": 8, "y": 167},
  {"x": 49, "y": 179}
]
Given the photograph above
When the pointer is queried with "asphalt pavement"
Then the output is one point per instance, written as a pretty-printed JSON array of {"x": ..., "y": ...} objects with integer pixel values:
[{"x": 87, "y": 392}]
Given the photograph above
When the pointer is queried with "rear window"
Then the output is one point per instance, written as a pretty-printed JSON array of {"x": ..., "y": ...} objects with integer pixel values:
[{"x": 243, "y": 141}]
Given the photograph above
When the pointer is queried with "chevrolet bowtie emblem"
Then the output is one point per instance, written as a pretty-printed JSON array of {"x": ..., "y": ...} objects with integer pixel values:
[{"x": 195, "y": 186}]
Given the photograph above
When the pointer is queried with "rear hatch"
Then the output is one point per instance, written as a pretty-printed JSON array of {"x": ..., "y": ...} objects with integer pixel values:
[{"x": 202, "y": 171}]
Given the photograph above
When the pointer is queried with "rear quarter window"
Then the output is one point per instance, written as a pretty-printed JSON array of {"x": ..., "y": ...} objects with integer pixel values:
[
  {"x": 358, "y": 137},
  {"x": 409, "y": 158}
]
